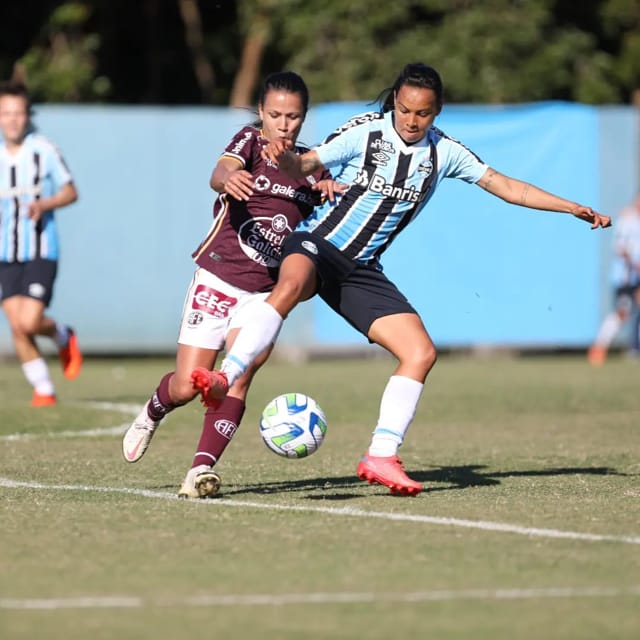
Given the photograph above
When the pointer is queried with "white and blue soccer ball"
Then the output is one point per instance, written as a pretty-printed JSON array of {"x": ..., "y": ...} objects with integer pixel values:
[{"x": 293, "y": 425}]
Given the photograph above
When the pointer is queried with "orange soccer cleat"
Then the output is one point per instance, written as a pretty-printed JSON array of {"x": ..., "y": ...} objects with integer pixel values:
[
  {"x": 212, "y": 386},
  {"x": 43, "y": 400},
  {"x": 597, "y": 355},
  {"x": 389, "y": 472},
  {"x": 71, "y": 357}
]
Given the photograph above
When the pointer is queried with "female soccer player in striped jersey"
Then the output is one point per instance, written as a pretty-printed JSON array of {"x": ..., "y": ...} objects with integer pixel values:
[
  {"x": 257, "y": 207},
  {"x": 393, "y": 161},
  {"x": 34, "y": 182}
]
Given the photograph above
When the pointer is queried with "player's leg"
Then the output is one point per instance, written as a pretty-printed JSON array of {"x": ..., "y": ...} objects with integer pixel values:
[
  {"x": 635, "y": 324},
  {"x": 220, "y": 425},
  {"x": 404, "y": 336},
  {"x": 24, "y": 315},
  {"x": 296, "y": 282},
  {"x": 610, "y": 327},
  {"x": 200, "y": 338}
]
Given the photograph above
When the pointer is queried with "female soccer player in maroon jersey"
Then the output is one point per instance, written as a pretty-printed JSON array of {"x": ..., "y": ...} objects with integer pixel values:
[{"x": 237, "y": 263}]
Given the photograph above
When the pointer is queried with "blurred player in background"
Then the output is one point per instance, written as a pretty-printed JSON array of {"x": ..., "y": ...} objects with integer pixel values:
[
  {"x": 625, "y": 277},
  {"x": 257, "y": 207},
  {"x": 34, "y": 182},
  {"x": 394, "y": 160}
]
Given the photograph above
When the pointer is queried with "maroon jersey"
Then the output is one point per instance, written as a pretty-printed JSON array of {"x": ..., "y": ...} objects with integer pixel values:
[{"x": 244, "y": 243}]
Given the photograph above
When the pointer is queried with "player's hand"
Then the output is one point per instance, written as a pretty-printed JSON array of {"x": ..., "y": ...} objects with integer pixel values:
[
  {"x": 277, "y": 151},
  {"x": 589, "y": 215},
  {"x": 35, "y": 210},
  {"x": 239, "y": 184},
  {"x": 330, "y": 189}
]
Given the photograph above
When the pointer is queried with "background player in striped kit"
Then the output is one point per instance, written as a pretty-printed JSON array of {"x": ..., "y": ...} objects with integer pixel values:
[
  {"x": 394, "y": 160},
  {"x": 34, "y": 181},
  {"x": 257, "y": 207},
  {"x": 625, "y": 277}
]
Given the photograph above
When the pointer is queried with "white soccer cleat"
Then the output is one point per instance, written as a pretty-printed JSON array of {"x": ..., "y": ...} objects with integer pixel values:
[
  {"x": 200, "y": 482},
  {"x": 138, "y": 436}
]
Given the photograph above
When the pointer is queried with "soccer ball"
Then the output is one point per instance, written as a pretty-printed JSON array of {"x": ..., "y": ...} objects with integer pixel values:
[{"x": 293, "y": 425}]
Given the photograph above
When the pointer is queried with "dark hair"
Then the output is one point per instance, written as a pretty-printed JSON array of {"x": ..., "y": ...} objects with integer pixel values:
[
  {"x": 415, "y": 74},
  {"x": 18, "y": 90},
  {"x": 284, "y": 81}
]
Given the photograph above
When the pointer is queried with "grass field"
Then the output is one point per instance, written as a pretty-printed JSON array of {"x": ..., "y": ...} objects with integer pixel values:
[{"x": 529, "y": 526}]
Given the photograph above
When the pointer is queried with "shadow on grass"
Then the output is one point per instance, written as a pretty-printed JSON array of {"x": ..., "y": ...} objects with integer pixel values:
[{"x": 451, "y": 479}]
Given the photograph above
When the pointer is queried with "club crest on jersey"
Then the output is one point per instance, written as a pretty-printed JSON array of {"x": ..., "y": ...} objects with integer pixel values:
[{"x": 426, "y": 168}]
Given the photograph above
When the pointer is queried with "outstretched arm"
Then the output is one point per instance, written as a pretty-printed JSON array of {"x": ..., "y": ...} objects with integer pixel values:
[
  {"x": 295, "y": 166},
  {"x": 528, "y": 195}
]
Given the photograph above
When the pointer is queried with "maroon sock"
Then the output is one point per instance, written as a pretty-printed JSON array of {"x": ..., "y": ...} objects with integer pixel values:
[
  {"x": 219, "y": 427},
  {"x": 161, "y": 403}
]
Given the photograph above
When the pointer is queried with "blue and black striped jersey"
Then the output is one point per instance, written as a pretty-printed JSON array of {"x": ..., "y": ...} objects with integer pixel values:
[
  {"x": 390, "y": 180},
  {"x": 38, "y": 170}
]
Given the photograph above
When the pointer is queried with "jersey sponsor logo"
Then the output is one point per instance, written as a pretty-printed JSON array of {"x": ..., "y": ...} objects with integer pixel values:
[
  {"x": 261, "y": 239},
  {"x": 354, "y": 122},
  {"x": 310, "y": 246},
  {"x": 17, "y": 192},
  {"x": 213, "y": 302},
  {"x": 380, "y": 158},
  {"x": 239, "y": 146},
  {"x": 262, "y": 183},
  {"x": 378, "y": 184},
  {"x": 225, "y": 428},
  {"x": 381, "y": 144}
]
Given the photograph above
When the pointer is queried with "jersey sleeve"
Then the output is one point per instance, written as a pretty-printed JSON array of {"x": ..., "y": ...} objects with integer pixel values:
[
  {"x": 463, "y": 164},
  {"x": 57, "y": 167},
  {"x": 345, "y": 142},
  {"x": 241, "y": 146}
]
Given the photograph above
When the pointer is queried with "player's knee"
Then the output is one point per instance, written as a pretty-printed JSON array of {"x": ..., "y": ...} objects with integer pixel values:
[
  {"x": 426, "y": 356},
  {"x": 182, "y": 390},
  {"x": 287, "y": 293},
  {"x": 24, "y": 327}
]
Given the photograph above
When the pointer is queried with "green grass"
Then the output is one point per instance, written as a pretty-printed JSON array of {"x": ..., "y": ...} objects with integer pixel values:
[{"x": 543, "y": 445}]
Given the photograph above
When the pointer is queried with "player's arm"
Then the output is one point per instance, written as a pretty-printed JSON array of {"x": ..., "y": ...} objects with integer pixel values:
[
  {"x": 229, "y": 176},
  {"x": 528, "y": 195},
  {"x": 65, "y": 196},
  {"x": 294, "y": 165}
]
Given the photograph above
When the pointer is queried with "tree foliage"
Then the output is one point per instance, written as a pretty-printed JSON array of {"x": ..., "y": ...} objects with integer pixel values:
[{"x": 217, "y": 51}]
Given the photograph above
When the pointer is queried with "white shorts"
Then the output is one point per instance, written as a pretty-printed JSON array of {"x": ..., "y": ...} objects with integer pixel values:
[{"x": 211, "y": 308}]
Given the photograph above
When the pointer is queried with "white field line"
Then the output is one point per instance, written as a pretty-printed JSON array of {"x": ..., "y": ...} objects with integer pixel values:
[
  {"x": 132, "y": 409},
  {"x": 343, "y": 511},
  {"x": 133, "y": 602}
]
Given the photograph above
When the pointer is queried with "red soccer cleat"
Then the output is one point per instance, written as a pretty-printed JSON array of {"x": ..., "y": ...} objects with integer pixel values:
[
  {"x": 389, "y": 472},
  {"x": 71, "y": 357},
  {"x": 42, "y": 400},
  {"x": 212, "y": 386}
]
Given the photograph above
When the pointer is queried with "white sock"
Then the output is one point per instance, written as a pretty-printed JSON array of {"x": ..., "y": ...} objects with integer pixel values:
[
  {"x": 609, "y": 329},
  {"x": 61, "y": 337},
  {"x": 37, "y": 373},
  {"x": 397, "y": 409},
  {"x": 252, "y": 340}
]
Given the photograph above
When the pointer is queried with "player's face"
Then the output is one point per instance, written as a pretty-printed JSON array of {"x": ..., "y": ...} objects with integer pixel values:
[
  {"x": 282, "y": 115},
  {"x": 14, "y": 118},
  {"x": 415, "y": 110}
]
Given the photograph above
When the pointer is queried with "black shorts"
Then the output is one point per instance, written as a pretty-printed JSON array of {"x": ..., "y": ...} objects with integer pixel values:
[
  {"x": 626, "y": 297},
  {"x": 359, "y": 293},
  {"x": 33, "y": 279}
]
